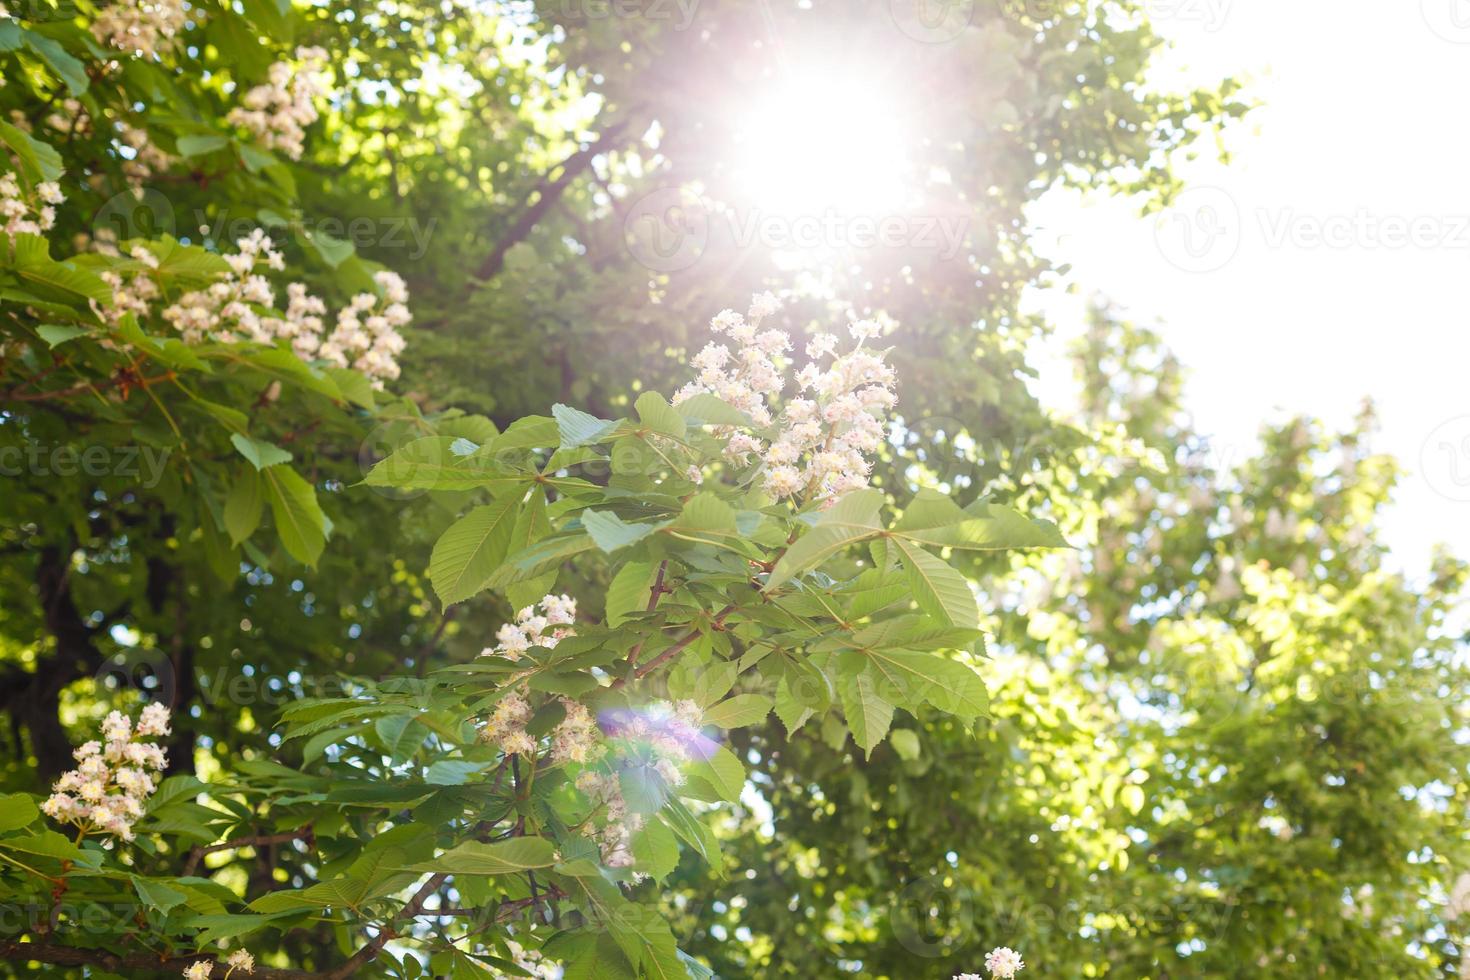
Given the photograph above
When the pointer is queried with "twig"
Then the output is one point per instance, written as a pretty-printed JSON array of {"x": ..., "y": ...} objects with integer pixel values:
[
  {"x": 680, "y": 644},
  {"x": 128, "y": 963},
  {"x": 653, "y": 596},
  {"x": 197, "y": 854}
]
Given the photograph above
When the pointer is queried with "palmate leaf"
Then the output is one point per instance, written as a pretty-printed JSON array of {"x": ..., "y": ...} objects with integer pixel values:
[
  {"x": 934, "y": 678},
  {"x": 658, "y": 415},
  {"x": 868, "y": 714},
  {"x": 611, "y": 532},
  {"x": 741, "y": 711},
  {"x": 628, "y": 592},
  {"x": 514, "y": 856},
  {"x": 49, "y": 279},
  {"x": 576, "y": 428},
  {"x": 469, "y": 552},
  {"x": 589, "y": 955},
  {"x": 940, "y": 591},
  {"x": 852, "y": 519},
  {"x": 435, "y": 463},
  {"x": 540, "y": 557},
  {"x": 933, "y": 519},
  {"x": 299, "y": 518}
]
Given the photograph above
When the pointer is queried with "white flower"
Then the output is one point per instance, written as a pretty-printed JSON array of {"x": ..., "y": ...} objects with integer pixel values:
[
  {"x": 241, "y": 960},
  {"x": 763, "y": 305},
  {"x": 146, "y": 28},
  {"x": 277, "y": 112},
  {"x": 1003, "y": 962},
  {"x": 199, "y": 970}
]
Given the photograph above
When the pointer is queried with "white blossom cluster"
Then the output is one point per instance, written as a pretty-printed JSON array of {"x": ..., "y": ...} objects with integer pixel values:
[
  {"x": 506, "y": 726},
  {"x": 143, "y": 27},
  {"x": 828, "y": 431},
  {"x": 1002, "y": 962},
  {"x": 130, "y": 294},
  {"x": 204, "y": 969},
  {"x": 238, "y": 307},
  {"x": 670, "y": 731},
  {"x": 278, "y": 112},
  {"x": 533, "y": 628},
  {"x": 20, "y": 215},
  {"x": 70, "y": 117},
  {"x": 532, "y": 962},
  {"x": 749, "y": 377},
  {"x": 105, "y": 793},
  {"x": 615, "y": 836}
]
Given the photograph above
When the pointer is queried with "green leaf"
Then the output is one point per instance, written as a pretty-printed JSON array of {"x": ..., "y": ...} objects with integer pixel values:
[
  {"x": 16, "y": 811},
  {"x": 260, "y": 454},
  {"x": 707, "y": 409},
  {"x": 155, "y": 894},
  {"x": 469, "y": 552},
  {"x": 47, "y": 843},
  {"x": 38, "y": 161},
  {"x": 334, "y": 251},
  {"x": 854, "y": 518},
  {"x": 868, "y": 715},
  {"x": 199, "y": 145},
  {"x": 611, "y": 533},
  {"x": 792, "y": 712},
  {"x": 658, "y": 415},
  {"x": 67, "y": 68},
  {"x": 299, "y": 518},
  {"x": 538, "y": 558},
  {"x": 244, "y": 506},
  {"x": 431, "y": 463},
  {"x": 905, "y": 742},
  {"x": 589, "y": 955},
  {"x": 217, "y": 927},
  {"x": 740, "y": 711},
  {"x": 940, "y": 591},
  {"x": 947, "y": 684},
  {"x": 452, "y": 772},
  {"x": 501, "y": 858},
  {"x": 62, "y": 281},
  {"x": 577, "y": 428},
  {"x": 354, "y": 385},
  {"x": 56, "y": 334},
  {"x": 629, "y": 591},
  {"x": 656, "y": 850},
  {"x": 933, "y": 519},
  {"x": 706, "y": 512},
  {"x": 723, "y": 772}
]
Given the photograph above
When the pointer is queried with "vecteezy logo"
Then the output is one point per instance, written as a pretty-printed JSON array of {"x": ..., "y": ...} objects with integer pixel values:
[
  {"x": 146, "y": 670},
  {"x": 932, "y": 21},
  {"x": 139, "y": 213},
  {"x": 667, "y": 230},
  {"x": 1444, "y": 459},
  {"x": 1450, "y": 19},
  {"x": 1201, "y": 231}
]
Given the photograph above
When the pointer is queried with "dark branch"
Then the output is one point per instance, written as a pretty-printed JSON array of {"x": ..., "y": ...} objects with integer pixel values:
[{"x": 549, "y": 191}]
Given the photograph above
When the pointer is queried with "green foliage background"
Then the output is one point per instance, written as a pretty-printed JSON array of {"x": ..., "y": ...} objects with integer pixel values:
[{"x": 1224, "y": 737}]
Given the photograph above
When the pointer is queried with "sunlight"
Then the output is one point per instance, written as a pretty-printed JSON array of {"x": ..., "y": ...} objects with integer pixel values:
[{"x": 825, "y": 142}]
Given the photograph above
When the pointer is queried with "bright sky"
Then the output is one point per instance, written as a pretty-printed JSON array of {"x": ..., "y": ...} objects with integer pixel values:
[{"x": 1330, "y": 260}]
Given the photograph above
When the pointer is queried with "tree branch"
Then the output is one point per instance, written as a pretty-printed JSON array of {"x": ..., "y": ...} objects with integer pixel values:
[
  {"x": 262, "y": 840},
  {"x": 653, "y": 597},
  {"x": 369, "y": 952},
  {"x": 679, "y": 645},
  {"x": 550, "y": 190},
  {"x": 128, "y": 963}
]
